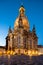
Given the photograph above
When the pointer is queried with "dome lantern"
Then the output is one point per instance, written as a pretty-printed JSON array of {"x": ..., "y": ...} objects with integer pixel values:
[{"x": 22, "y": 10}]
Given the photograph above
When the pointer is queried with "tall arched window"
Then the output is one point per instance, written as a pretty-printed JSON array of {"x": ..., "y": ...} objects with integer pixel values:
[
  {"x": 19, "y": 41},
  {"x": 30, "y": 44}
]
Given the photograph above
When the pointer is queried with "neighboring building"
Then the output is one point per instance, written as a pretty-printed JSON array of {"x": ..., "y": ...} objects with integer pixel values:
[
  {"x": 2, "y": 49},
  {"x": 21, "y": 38},
  {"x": 40, "y": 49}
]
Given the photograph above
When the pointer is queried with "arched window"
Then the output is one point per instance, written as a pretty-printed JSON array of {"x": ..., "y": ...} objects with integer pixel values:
[
  {"x": 19, "y": 40},
  {"x": 30, "y": 44}
]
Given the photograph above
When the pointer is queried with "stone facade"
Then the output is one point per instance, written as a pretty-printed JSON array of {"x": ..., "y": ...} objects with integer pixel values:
[{"x": 21, "y": 38}]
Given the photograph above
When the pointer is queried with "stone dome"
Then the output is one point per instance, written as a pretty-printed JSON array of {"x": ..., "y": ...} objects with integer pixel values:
[{"x": 24, "y": 19}]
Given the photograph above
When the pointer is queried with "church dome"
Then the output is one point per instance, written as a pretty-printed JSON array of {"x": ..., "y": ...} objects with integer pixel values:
[{"x": 24, "y": 19}]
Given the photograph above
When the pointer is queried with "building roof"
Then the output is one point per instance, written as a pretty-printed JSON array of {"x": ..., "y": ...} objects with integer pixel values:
[
  {"x": 3, "y": 47},
  {"x": 40, "y": 46}
]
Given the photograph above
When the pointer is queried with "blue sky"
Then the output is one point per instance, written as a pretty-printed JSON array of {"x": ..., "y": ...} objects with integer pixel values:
[{"x": 9, "y": 10}]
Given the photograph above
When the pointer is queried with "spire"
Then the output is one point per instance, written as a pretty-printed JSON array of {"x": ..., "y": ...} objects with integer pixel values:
[
  {"x": 34, "y": 30},
  {"x": 10, "y": 31}
]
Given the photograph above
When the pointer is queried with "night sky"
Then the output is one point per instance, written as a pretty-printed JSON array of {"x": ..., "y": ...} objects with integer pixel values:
[{"x": 9, "y": 11}]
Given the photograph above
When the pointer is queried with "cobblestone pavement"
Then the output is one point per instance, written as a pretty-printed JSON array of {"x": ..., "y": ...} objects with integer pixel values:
[{"x": 21, "y": 60}]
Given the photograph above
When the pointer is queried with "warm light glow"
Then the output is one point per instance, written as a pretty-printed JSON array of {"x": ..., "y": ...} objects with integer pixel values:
[
  {"x": 27, "y": 52},
  {"x": 0, "y": 53},
  {"x": 40, "y": 53},
  {"x": 8, "y": 52}
]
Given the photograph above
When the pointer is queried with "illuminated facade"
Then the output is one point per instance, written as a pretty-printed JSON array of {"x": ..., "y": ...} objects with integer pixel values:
[{"x": 21, "y": 39}]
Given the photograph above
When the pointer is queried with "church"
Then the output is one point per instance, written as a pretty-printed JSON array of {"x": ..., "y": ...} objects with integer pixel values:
[{"x": 21, "y": 39}]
